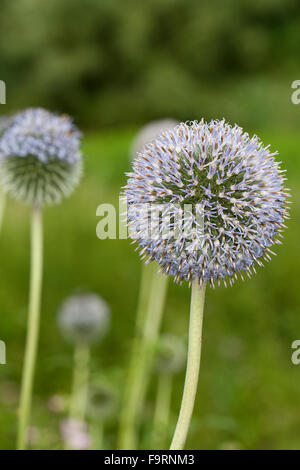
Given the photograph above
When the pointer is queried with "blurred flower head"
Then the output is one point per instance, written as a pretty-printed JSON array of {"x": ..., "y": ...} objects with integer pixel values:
[
  {"x": 170, "y": 355},
  {"x": 74, "y": 434},
  {"x": 150, "y": 132},
  {"x": 40, "y": 158},
  {"x": 84, "y": 318},
  {"x": 56, "y": 403},
  {"x": 219, "y": 193},
  {"x": 102, "y": 400}
]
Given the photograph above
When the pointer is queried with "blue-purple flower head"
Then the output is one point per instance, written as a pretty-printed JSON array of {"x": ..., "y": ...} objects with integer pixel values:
[
  {"x": 84, "y": 318},
  {"x": 214, "y": 199},
  {"x": 40, "y": 157}
]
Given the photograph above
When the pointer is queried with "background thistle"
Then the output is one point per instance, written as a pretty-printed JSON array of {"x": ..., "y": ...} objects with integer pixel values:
[
  {"x": 232, "y": 180},
  {"x": 83, "y": 319},
  {"x": 40, "y": 160}
]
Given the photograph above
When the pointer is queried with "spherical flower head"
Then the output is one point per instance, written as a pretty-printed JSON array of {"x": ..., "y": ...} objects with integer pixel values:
[
  {"x": 40, "y": 158},
  {"x": 102, "y": 400},
  {"x": 150, "y": 132},
  {"x": 170, "y": 355},
  {"x": 84, "y": 318},
  {"x": 215, "y": 200}
]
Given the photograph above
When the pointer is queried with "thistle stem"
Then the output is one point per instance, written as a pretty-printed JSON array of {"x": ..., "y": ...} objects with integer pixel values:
[
  {"x": 162, "y": 411},
  {"x": 80, "y": 382},
  {"x": 193, "y": 367},
  {"x": 32, "y": 326},
  {"x": 148, "y": 326}
]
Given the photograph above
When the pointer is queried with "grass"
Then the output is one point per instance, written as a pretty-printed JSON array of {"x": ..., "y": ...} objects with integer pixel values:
[{"x": 249, "y": 389}]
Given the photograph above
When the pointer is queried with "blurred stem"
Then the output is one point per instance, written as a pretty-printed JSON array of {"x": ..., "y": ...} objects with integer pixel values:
[
  {"x": 162, "y": 411},
  {"x": 32, "y": 326},
  {"x": 193, "y": 367},
  {"x": 2, "y": 207},
  {"x": 97, "y": 436},
  {"x": 80, "y": 382},
  {"x": 148, "y": 271},
  {"x": 148, "y": 326}
]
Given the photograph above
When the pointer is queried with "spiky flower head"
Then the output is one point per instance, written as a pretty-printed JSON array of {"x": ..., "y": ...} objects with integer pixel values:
[
  {"x": 40, "y": 158},
  {"x": 150, "y": 132},
  {"x": 170, "y": 355},
  {"x": 84, "y": 318},
  {"x": 218, "y": 197}
]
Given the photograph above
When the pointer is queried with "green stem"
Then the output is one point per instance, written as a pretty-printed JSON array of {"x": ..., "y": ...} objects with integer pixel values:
[
  {"x": 148, "y": 326},
  {"x": 162, "y": 411},
  {"x": 79, "y": 394},
  {"x": 193, "y": 367},
  {"x": 148, "y": 271},
  {"x": 97, "y": 436},
  {"x": 33, "y": 325},
  {"x": 2, "y": 207}
]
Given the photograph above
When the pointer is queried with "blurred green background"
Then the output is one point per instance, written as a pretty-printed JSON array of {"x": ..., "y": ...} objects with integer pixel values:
[{"x": 115, "y": 65}]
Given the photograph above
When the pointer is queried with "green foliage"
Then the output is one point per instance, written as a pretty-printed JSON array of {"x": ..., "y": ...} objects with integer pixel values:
[{"x": 111, "y": 62}]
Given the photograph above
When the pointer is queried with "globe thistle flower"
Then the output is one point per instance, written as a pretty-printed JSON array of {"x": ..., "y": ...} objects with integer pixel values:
[
  {"x": 84, "y": 318},
  {"x": 40, "y": 162},
  {"x": 40, "y": 159},
  {"x": 170, "y": 355},
  {"x": 230, "y": 181},
  {"x": 150, "y": 132},
  {"x": 215, "y": 201}
]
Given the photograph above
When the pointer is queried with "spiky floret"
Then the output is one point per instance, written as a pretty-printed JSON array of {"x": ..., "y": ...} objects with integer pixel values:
[
  {"x": 84, "y": 318},
  {"x": 40, "y": 158},
  {"x": 230, "y": 179}
]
